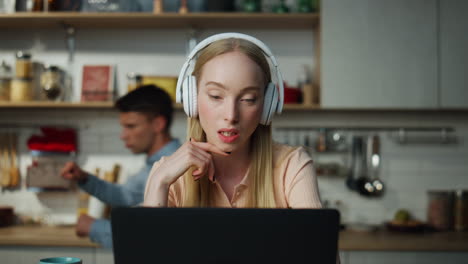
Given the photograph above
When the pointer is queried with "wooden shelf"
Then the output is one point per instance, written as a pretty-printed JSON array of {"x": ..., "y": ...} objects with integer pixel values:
[
  {"x": 110, "y": 105},
  {"x": 34, "y": 20},
  {"x": 287, "y": 107},
  {"x": 300, "y": 107},
  {"x": 55, "y": 105}
]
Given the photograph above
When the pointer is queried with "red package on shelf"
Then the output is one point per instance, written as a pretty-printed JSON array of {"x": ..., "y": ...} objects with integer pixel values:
[{"x": 54, "y": 140}]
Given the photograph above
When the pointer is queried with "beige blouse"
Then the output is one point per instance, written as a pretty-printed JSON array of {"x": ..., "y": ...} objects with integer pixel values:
[{"x": 294, "y": 179}]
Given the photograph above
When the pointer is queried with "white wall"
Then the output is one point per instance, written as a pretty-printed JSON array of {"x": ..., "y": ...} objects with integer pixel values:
[{"x": 408, "y": 171}]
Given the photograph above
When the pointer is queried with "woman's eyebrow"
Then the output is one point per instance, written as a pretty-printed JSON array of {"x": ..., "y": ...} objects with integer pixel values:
[
  {"x": 254, "y": 88},
  {"x": 220, "y": 85},
  {"x": 216, "y": 84}
]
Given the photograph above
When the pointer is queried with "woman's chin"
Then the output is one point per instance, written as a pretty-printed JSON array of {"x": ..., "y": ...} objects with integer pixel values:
[{"x": 225, "y": 147}]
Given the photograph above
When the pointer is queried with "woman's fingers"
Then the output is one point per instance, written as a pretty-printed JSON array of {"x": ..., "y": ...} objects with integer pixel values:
[
  {"x": 209, "y": 147},
  {"x": 192, "y": 154},
  {"x": 202, "y": 151},
  {"x": 201, "y": 161}
]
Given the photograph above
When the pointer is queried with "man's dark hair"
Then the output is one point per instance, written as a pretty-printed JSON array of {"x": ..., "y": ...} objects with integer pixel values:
[{"x": 147, "y": 99}]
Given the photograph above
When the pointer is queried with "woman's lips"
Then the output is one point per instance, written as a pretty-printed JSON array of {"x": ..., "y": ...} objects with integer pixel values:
[{"x": 228, "y": 136}]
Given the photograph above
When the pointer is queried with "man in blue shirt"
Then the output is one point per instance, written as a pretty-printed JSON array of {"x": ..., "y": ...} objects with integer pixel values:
[{"x": 145, "y": 117}]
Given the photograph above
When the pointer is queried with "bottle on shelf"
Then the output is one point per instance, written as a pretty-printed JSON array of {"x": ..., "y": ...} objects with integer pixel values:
[
  {"x": 24, "y": 67},
  {"x": 133, "y": 81},
  {"x": 5, "y": 80}
]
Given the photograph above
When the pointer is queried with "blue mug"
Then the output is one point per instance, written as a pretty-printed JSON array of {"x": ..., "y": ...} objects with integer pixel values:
[{"x": 61, "y": 260}]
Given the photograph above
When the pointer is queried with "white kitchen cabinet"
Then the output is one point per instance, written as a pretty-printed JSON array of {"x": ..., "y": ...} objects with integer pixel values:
[
  {"x": 104, "y": 256},
  {"x": 379, "y": 54},
  {"x": 344, "y": 255},
  {"x": 454, "y": 54},
  {"x": 32, "y": 255}
]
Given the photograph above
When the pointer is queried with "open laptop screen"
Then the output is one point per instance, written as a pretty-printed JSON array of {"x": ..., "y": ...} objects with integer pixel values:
[{"x": 221, "y": 235}]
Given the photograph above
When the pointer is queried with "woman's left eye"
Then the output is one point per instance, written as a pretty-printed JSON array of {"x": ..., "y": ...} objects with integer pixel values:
[
  {"x": 249, "y": 100},
  {"x": 215, "y": 97}
]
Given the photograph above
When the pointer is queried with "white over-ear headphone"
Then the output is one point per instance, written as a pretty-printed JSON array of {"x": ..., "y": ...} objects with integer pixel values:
[{"x": 186, "y": 90}]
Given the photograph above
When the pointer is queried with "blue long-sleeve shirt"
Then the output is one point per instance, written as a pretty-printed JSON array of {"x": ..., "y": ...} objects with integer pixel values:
[{"x": 129, "y": 194}]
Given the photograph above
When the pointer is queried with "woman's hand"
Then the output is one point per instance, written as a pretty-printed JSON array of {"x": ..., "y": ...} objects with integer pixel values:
[{"x": 190, "y": 154}]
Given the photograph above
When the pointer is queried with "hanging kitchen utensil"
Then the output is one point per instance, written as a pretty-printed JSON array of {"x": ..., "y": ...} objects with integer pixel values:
[
  {"x": 5, "y": 162},
  {"x": 2, "y": 160},
  {"x": 350, "y": 179},
  {"x": 363, "y": 182},
  {"x": 14, "y": 170},
  {"x": 375, "y": 163}
]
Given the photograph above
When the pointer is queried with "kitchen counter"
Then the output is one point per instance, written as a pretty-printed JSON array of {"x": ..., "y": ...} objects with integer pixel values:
[
  {"x": 349, "y": 240},
  {"x": 382, "y": 240},
  {"x": 42, "y": 236}
]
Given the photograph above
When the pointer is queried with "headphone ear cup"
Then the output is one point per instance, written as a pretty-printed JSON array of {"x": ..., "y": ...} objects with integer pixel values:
[
  {"x": 193, "y": 97},
  {"x": 274, "y": 102},
  {"x": 270, "y": 103},
  {"x": 185, "y": 95}
]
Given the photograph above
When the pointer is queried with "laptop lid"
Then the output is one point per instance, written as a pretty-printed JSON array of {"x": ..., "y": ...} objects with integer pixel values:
[{"x": 222, "y": 235}]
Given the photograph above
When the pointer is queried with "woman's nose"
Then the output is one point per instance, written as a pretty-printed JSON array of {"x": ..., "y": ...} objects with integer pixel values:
[{"x": 231, "y": 112}]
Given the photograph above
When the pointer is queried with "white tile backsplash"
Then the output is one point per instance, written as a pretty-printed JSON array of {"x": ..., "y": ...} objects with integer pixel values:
[{"x": 407, "y": 170}]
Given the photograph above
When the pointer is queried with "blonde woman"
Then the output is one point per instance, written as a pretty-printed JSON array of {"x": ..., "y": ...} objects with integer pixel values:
[{"x": 229, "y": 159}]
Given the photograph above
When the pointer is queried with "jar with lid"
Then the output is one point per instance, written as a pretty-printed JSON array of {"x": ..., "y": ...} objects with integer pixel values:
[
  {"x": 21, "y": 89},
  {"x": 440, "y": 210},
  {"x": 461, "y": 210},
  {"x": 24, "y": 67},
  {"x": 51, "y": 83},
  {"x": 133, "y": 81},
  {"x": 5, "y": 78}
]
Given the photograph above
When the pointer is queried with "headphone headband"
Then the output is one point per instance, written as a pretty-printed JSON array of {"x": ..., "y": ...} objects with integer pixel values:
[{"x": 229, "y": 35}]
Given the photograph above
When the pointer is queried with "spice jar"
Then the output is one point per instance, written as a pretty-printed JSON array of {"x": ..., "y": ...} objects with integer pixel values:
[
  {"x": 461, "y": 210},
  {"x": 21, "y": 89},
  {"x": 23, "y": 65},
  {"x": 133, "y": 81},
  {"x": 51, "y": 83},
  {"x": 440, "y": 209},
  {"x": 5, "y": 78}
]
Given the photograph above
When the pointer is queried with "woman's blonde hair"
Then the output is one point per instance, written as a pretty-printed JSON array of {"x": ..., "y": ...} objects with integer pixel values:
[{"x": 261, "y": 189}]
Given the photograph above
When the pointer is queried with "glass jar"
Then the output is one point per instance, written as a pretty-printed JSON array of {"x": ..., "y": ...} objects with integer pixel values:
[
  {"x": 250, "y": 6},
  {"x": 21, "y": 89},
  {"x": 461, "y": 210},
  {"x": 24, "y": 66},
  {"x": 5, "y": 78},
  {"x": 440, "y": 210},
  {"x": 51, "y": 83}
]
